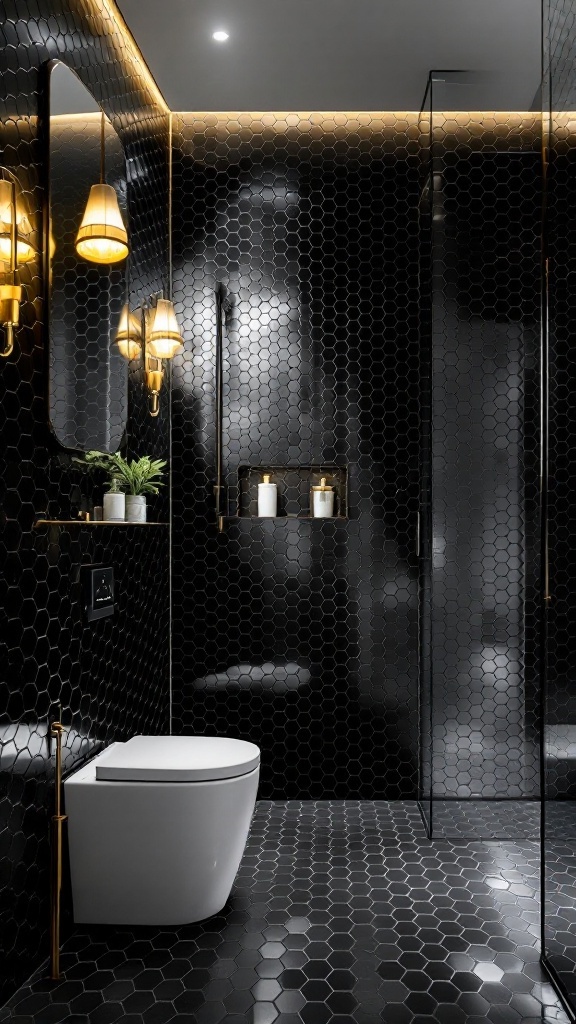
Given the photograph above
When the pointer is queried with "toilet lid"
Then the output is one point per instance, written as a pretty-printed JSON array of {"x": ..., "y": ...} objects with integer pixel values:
[{"x": 177, "y": 759}]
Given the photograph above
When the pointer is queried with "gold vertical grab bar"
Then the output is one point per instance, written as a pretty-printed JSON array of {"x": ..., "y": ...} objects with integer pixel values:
[
  {"x": 58, "y": 819},
  {"x": 219, "y": 487}
]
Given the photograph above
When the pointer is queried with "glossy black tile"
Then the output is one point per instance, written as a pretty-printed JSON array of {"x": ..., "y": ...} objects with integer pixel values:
[
  {"x": 319, "y": 661},
  {"x": 310, "y": 223},
  {"x": 112, "y": 678},
  {"x": 481, "y": 205},
  {"x": 482, "y": 819},
  {"x": 341, "y": 911}
]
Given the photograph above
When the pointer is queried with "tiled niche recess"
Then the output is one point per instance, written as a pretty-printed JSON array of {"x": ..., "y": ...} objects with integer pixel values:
[{"x": 293, "y": 484}]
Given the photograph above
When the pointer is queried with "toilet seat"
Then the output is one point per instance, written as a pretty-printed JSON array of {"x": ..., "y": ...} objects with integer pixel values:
[{"x": 177, "y": 759}]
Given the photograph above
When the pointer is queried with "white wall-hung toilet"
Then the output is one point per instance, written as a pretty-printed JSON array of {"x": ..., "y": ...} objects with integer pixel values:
[{"x": 157, "y": 827}]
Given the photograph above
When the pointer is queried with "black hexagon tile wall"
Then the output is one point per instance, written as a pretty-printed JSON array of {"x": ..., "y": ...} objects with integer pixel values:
[
  {"x": 112, "y": 678},
  {"x": 311, "y": 223},
  {"x": 301, "y": 634}
]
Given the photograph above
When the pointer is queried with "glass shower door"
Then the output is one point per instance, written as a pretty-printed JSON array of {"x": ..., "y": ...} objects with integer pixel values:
[
  {"x": 559, "y": 734},
  {"x": 480, "y": 216}
]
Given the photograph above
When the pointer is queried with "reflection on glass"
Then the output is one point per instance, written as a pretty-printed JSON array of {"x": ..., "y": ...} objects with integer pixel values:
[{"x": 88, "y": 374}]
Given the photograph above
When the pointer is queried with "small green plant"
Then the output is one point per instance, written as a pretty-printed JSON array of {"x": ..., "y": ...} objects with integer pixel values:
[{"x": 139, "y": 476}]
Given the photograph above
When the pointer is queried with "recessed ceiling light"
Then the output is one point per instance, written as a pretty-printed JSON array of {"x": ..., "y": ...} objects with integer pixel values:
[{"x": 220, "y": 36}]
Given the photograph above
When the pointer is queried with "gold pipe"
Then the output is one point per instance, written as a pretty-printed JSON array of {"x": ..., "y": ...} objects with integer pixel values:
[
  {"x": 58, "y": 819},
  {"x": 8, "y": 342},
  {"x": 154, "y": 374},
  {"x": 154, "y": 380}
]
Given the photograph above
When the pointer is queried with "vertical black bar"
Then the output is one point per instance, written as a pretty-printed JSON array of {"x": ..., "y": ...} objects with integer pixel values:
[
  {"x": 429, "y": 528},
  {"x": 424, "y": 532},
  {"x": 103, "y": 149},
  {"x": 544, "y": 432}
]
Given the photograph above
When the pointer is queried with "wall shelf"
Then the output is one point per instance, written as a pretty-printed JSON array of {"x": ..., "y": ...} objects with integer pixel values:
[
  {"x": 92, "y": 522},
  {"x": 293, "y": 483},
  {"x": 289, "y": 519}
]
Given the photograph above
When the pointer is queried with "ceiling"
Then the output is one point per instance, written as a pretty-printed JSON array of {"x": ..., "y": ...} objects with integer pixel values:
[{"x": 337, "y": 54}]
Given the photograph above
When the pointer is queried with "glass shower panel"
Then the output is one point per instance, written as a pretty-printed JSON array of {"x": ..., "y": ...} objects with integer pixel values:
[
  {"x": 559, "y": 747},
  {"x": 480, "y": 569},
  {"x": 424, "y": 511}
]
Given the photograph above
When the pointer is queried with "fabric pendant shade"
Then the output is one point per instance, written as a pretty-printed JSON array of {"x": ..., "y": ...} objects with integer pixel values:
[
  {"x": 102, "y": 236},
  {"x": 163, "y": 339}
]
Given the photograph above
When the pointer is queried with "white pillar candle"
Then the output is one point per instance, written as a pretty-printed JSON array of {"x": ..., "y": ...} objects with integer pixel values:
[
  {"x": 322, "y": 501},
  {"x": 267, "y": 498}
]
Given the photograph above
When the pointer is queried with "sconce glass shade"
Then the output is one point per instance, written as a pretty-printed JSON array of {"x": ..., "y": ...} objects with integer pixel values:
[
  {"x": 129, "y": 334},
  {"x": 102, "y": 236},
  {"x": 24, "y": 251},
  {"x": 164, "y": 339}
]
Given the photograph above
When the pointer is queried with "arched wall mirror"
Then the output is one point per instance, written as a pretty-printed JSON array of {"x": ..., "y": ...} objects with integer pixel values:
[{"x": 88, "y": 377}]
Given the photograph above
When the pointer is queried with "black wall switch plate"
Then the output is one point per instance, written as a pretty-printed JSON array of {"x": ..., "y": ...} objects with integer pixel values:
[{"x": 97, "y": 591}]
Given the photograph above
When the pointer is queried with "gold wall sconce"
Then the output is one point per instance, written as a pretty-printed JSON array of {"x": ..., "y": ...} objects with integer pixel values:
[
  {"x": 15, "y": 248},
  {"x": 154, "y": 334},
  {"x": 102, "y": 235}
]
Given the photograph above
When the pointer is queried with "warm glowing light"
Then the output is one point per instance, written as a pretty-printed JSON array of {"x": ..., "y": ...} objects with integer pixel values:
[
  {"x": 129, "y": 335},
  {"x": 220, "y": 36},
  {"x": 163, "y": 339},
  {"x": 24, "y": 251},
  {"x": 102, "y": 236}
]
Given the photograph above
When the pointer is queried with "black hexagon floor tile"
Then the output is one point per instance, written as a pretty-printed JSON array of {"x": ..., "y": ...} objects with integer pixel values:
[
  {"x": 485, "y": 819},
  {"x": 342, "y": 912}
]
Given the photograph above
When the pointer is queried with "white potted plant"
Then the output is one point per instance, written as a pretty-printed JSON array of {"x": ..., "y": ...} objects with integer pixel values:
[
  {"x": 136, "y": 478},
  {"x": 141, "y": 477}
]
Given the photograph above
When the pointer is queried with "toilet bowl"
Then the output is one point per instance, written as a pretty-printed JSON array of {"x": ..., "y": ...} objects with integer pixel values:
[{"x": 157, "y": 827}]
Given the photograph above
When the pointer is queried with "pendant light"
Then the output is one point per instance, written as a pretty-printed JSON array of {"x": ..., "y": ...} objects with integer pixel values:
[
  {"x": 102, "y": 236},
  {"x": 163, "y": 338}
]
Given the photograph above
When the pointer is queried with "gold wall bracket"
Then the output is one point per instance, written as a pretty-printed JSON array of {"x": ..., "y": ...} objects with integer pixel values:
[
  {"x": 10, "y": 299},
  {"x": 154, "y": 379}
]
